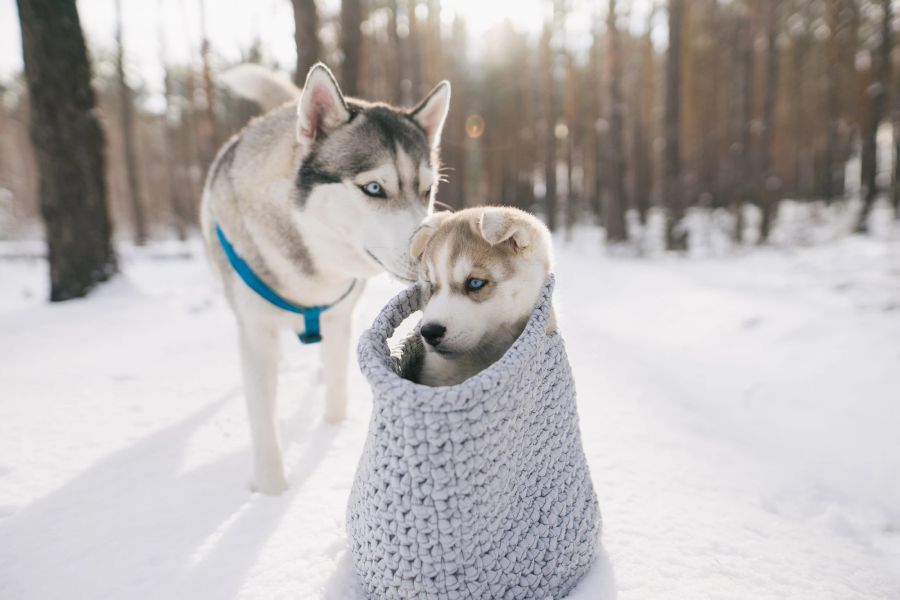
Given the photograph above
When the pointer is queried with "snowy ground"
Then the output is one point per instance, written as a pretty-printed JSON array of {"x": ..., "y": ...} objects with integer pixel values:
[{"x": 740, "y": 415}]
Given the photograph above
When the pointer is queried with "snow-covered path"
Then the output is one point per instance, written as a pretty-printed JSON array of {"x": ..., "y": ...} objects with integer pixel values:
[{"x": 740, "y": 415}]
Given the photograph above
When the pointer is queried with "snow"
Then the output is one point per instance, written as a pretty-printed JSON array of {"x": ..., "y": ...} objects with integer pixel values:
[{"x": 739, "y": 411}]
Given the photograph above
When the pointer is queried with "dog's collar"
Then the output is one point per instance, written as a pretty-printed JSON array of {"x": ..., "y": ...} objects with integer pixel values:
[{"x": 312, "y": 331}]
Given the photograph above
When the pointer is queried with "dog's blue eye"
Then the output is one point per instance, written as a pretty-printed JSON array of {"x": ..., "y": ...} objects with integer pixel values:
[
  {"x": 374, "y": 189},
  {"x": 473, "y": 283}
]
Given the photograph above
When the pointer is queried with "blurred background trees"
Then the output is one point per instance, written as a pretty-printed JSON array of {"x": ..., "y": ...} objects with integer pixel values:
[
  {"x": 626, "y": 115},
  {"x": 69, "y": 147}
]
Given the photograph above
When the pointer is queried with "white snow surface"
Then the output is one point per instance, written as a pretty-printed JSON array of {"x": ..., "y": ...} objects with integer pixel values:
[{"x": 741, "y": 417}]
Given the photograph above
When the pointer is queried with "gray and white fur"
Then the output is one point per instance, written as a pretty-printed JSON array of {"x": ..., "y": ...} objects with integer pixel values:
[
  {"x": 508, "y": 253},
  {"x": 319, "y": 192}
]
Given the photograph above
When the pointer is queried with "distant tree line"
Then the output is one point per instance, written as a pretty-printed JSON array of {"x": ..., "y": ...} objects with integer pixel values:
[{"x": 711, "y": 104}]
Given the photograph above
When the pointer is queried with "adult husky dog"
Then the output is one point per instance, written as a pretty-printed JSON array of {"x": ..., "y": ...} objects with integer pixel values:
[{"x": 302, "y": 206}]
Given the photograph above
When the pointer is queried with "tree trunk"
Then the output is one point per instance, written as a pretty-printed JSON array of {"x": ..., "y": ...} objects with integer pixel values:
[
  {"x": 770, "y": 186},
  {"x": 833, "y": 99},
  {"x": 676, "y": 237},
  {"x": 709, "y": 89},
  {"x": 69, "y": 146},
  {"x": 596, "y": 139},
  {"x": 877, "y": 95},
  {"x": 126, "y": 109},
  {"x": 399, "y": 66},
  {"x": 745, "y": 174},
  {"x": 176, "y": 202},
  {"x": 617, "y": 199},
  {"x": 351, "y": 45},
  {"x": 643, "y": 124},
  {"x": 549, "y": 101},
  {"x": 573, "y": 135},
  {"x": 414, "y": 55},
  {"x": 895, "y": 180},
  {"x": 209, "y": 91},
  {"x": 306, "y": 37}
]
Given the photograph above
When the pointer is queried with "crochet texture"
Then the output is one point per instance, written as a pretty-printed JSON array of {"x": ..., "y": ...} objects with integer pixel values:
[{"x": 473, "y": 491}]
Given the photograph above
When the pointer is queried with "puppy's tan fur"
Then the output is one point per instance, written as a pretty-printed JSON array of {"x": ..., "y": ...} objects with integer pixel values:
[{"x": 508, "y": 248}]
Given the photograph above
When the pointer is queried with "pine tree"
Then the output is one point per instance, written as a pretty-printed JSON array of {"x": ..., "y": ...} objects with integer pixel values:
[
  {"x": 617, "y": 199},
  {"x": 351, "y": 45},
  {"x": 877, "y": 96},
  {"x": 306, "y": 37},
  {"x": 126, "y": 113},
  {"x": 675, "y": 236},
  {"x": 69, "y": 144}
]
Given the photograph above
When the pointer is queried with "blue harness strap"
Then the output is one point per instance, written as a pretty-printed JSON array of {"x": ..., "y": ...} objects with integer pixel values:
[{"x": 312, "y": 327}]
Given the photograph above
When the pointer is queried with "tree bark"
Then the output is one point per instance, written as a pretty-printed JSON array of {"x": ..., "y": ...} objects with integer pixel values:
[
  {"x": 573, "y": 201},
  {"x": 708, "y": 86},
  {"x": 209, "y": 91},
  {"x": 594, "y": 96},
  {"x": 877, "y": 95},
  {"x": 69, "y": 146},
  {"x": 414, "y": 54},
  {"x": 769, "y": 184},
  {"x": 399, "y": 67},
  {"x": 676, "y": 237},
  {"x": 617, "y": 199},
  {"x": 895, "y": 180},
  {"x": 176, "y": 202},
  {"x": 643, "y": 124},
  {"x": 550, "y": 116},
  {"x": 126, "y": 110},
  {"x": 742, "y": 156},
  {"x": 351, "y": 45},
  {"x": 833, "y": 99},
  {"x": 306, "y": 37}
]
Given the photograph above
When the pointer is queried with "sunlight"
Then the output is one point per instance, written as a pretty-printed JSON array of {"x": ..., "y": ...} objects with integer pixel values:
[{"x": 480, "y": 16}]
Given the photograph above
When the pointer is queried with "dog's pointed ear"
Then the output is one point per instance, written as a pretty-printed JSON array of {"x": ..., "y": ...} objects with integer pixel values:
[
  {"x": 321, "y": 108},
  {"x": 500, "y": 224},
  {"x": 431, "y": 112},
  {"x": 423, "y": 235}
]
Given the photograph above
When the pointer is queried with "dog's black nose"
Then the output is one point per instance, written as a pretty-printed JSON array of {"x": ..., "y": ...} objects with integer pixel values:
[{"x": 433, "y": 332}]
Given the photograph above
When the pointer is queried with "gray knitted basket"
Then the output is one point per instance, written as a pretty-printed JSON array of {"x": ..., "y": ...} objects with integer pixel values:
[{"x": 473, "y": 491}]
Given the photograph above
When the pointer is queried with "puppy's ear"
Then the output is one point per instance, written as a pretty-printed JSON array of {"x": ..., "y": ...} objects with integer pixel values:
[
  {"x": 499, "y": 224},
  {"x": 425, "y": 232},
  {"x": 432, "y": 112},
  {"x": 321, "y": 108}
]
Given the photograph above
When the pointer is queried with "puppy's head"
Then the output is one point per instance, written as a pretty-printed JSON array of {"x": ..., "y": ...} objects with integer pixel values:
[{"x": 486, "y": 267}]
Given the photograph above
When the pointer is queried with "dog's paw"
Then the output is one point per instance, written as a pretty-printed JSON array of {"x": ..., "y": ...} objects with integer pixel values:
[
  {"x": 335, "y": 405},
  {"x": 272, "y": 483},
  {"x": 335, "y": 414}
]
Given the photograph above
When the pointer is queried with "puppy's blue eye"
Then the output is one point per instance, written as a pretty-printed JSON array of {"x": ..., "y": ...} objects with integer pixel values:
[
  {"x": 374, "y": 189},
  {"x": 473, "y": 283}
]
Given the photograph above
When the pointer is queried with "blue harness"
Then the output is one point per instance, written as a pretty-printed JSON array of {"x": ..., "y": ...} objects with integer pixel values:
[{"x": 312, "y": 331}]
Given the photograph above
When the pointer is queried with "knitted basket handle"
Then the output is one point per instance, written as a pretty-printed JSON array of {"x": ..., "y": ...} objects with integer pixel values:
[{"x": 398, "y": 310}]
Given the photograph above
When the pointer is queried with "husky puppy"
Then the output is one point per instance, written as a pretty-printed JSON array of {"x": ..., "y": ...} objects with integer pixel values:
[
  {"x": 485, "y": 268},
  {"x": 314, "y": 196}
]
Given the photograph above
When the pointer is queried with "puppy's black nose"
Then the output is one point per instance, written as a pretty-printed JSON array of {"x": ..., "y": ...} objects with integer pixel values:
[{"x": 433, "y": 332}]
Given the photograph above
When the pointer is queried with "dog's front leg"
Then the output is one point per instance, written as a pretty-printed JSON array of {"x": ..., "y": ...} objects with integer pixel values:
[
  {"x": 336, "y": 327},
  {"x": 259, "y": 359}
]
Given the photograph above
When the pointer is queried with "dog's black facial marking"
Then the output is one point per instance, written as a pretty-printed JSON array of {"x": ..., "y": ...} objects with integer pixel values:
[
  {"x": 311, "y": 175},
  {"x": 369, "y": 139},
  {"x": 394, "y": 127}
]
